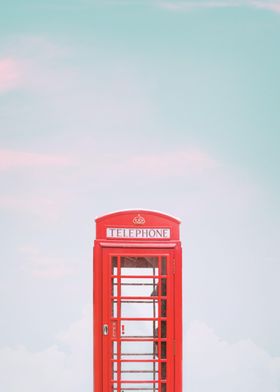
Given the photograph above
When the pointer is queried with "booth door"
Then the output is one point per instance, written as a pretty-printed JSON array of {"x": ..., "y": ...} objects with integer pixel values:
[{"x": 138, "y": 320}]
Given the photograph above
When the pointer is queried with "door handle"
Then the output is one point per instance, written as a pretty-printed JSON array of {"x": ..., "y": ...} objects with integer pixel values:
[{"x": 105, "y": 329}]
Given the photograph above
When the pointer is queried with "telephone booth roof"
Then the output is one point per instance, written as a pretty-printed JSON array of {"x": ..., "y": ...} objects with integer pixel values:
[{"x": 137, "y": 224}]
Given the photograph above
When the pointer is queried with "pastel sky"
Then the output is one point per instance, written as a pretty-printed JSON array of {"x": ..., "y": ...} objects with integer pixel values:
[{"x": 170, "y": 105}]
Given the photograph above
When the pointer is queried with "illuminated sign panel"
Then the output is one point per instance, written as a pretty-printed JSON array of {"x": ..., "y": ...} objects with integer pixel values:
[{"x": 122, "y": 232}]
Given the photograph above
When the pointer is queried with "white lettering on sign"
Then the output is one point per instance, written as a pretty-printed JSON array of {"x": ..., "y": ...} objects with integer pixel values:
[{"x": 112, "y": 232}]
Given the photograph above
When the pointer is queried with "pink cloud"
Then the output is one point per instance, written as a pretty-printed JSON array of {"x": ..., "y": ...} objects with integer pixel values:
[
  {"x": 189, "y": 5},
  {"x": 177, "y": 163},
  {"x": 271, "y": 6},
  {"x": 11, "y": 159},
  {"x": 10, "y": 74}
]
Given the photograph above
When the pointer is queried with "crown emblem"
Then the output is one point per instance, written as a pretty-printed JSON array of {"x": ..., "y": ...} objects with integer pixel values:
[{"x": 139, "y": 220}]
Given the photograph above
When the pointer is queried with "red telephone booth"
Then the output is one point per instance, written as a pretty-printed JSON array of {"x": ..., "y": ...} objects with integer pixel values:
[{"x": 137, "y": 303}]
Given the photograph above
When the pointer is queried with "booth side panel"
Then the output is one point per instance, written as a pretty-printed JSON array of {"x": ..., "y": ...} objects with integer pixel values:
[
  {"x": 97, "y": 321},
  {"x": 178, "y": 321}
]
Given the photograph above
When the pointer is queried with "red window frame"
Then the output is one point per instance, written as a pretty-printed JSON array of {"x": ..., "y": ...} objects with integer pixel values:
[{"x": 107, "y": 318}]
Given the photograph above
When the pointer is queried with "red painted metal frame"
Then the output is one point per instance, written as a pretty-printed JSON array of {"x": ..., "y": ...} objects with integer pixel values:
[
  {"x": 107, "y": 318},
  {"x": 103, "y": 248}
]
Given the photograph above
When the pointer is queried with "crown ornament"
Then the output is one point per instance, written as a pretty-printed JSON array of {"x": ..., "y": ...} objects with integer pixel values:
[{"x": 138, "y": 220}]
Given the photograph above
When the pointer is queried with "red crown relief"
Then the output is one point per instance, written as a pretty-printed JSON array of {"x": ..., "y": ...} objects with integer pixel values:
[{"x": 139, "y": 220}]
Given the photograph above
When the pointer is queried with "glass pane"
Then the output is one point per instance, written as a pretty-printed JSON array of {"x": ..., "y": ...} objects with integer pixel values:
[
  {"x": 139, "y": 375},
  {"x": 114, "y": 308},
  {"x": 163, "y": 329},
  {"x": 114, "y": 364},
  {"x": 139, "y": 350},
  {"x": 138, "y": 308},
  {"x": 143, "y": 285},
  {"x": 138, "y": 287},
  {"x": 139, "y": 265},
  {"x": 141, "y": 367},
  {"x": 133, "y": 388},
  {"x": 163, "y": 308},
  {"x": 163, "y": 287},
  {"x": 163, "y": 265},
  {"x": 163, "y": 371},
  {"x": 163, "y": 350},
  {"x": 114, "y": 265},
  {"x": 137, "y": 328},
  {"x": 138, "y": 387}
]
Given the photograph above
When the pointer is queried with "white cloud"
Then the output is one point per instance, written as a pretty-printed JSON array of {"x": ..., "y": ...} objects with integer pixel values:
[
  {"x": 92, "y": 97},
  {"x": 45, "y": 208},
  {"x": 268, "y": 5},
  {"x": 53, "y": 369},
  {"x": 186, "y": 162},
  {"x": 34, "y": 195},
  {"x": 187, "y": 5},
  {"x": 217, "y": 365},
  {"x": 43, "y": 266},
  {"x": 12, "y": 159},
  {"x": 209, "y": 363}
]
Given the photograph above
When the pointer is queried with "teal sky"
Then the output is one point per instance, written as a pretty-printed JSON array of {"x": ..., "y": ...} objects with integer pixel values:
[{"x": 166, "y": 105}]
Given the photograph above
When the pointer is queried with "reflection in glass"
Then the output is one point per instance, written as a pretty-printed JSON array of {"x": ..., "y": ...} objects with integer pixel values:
[
  {"x": 163, "y": 329},
  {"x": 163, "y": 265},
  {"x": 114, "y": 265},
  {"x": 163, "y": 308},
  {"x": 163, "y": 287},
  {"x": 163, "y": 350}
]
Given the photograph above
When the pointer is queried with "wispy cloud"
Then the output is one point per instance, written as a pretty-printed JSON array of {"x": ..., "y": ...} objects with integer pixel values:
[
  {"x": 12, "y": 159},
  {"x": 268, "y": 5},
  {"x": 211, "y": 363},
  {"x": 187, "y": 5},
  {"x": 178, "y": 163},
  {"x": 48, "y": 208},
  {"x": 36, "y": 194},
  {"x": 29, "y": 62},
  {"x": 220, "y": 365},
  {"x": 63, "y": 366},
  {"x": 160, "y": 165},
  {"x": 42, "y": 266},
  {"x": 10, "y": 74}
]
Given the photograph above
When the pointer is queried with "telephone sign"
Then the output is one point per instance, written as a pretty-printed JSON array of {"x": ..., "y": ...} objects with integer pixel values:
[
  {"x": 137, "y": 233},
  {"x": 137, "y": 303}
]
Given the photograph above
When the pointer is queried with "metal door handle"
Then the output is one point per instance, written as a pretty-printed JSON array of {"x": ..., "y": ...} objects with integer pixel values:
[{"x": 105, "y": 329}]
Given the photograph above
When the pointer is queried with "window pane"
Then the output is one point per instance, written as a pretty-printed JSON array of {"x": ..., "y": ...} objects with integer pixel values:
[
  {"x": 137, "y": 328},
  {"x": 139, "y": 308},
  {"x": 163, "y": 287},
  {"x": 163, "y": 265},
  {"x": 139, "y": 265},
  {"x": 114, "y": 265},
  {"x": 138, "y": 287}
]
